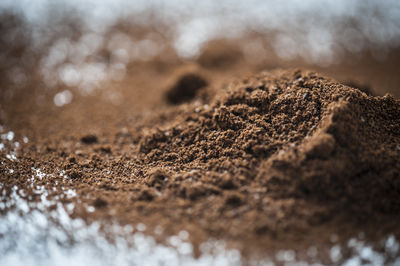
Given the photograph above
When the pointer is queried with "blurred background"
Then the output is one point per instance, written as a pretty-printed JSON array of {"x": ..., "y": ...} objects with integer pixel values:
[{"x": 55, "y": 51}]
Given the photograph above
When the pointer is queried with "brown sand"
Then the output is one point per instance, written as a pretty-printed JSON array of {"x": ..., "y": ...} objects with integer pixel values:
[{"x": 278, "y": 155}]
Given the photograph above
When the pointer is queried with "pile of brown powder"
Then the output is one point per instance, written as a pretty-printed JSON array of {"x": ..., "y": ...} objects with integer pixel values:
[
  {"x": 290, "y": 134},
  {"x": 277, "y": 152}
]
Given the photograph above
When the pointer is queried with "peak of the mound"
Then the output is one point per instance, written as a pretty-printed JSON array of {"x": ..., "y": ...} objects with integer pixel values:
[
  {"x": 251, "y": 119},
  {"x": 294, "y": 133}
]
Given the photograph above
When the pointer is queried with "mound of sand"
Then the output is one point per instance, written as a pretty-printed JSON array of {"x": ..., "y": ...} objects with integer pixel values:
[
  {"x": 274, "y": 153},
  {"x": 278, "y": 147}
]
